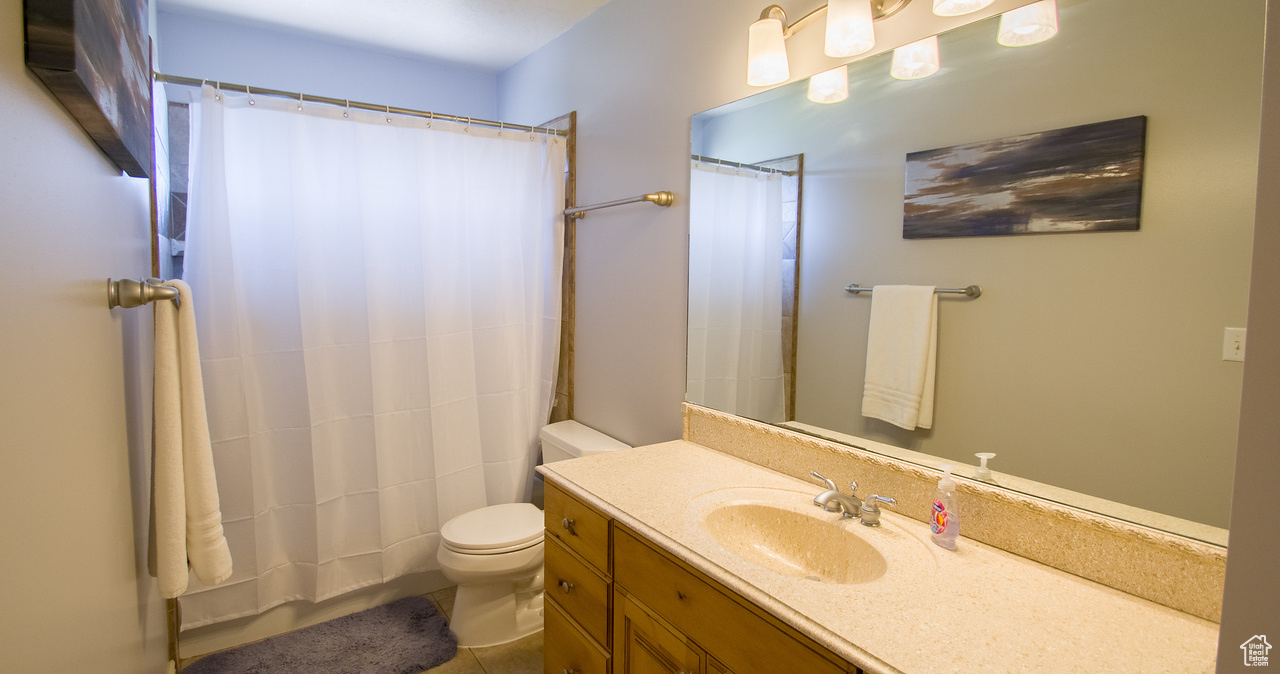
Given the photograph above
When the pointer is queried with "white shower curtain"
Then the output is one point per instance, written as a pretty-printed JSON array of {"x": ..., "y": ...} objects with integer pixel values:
[
  {"x": 379, "y": 321},
  {"x": 735, "y": 292}
]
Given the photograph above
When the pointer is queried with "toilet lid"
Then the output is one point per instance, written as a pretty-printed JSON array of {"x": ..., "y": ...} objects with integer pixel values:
[{"x": 510, "y": 525}]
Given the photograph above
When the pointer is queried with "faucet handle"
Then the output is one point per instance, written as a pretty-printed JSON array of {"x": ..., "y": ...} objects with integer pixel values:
[
  {"x": 853, "y": 488},
  {"x": 871, "y": 509},
  {"x": 830, "y": 485}
]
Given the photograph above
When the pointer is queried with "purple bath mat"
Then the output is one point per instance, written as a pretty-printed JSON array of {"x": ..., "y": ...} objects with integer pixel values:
[{"x": 404, "y": 637}]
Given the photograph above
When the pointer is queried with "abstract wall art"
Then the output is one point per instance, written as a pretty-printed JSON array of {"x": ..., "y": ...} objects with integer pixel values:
[
  {"x": 94, "y": 56},
  {"x": 1078, "y": 179}
]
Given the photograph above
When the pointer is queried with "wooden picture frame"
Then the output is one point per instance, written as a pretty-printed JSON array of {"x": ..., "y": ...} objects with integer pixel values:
[{"x": 93, "y": 55}]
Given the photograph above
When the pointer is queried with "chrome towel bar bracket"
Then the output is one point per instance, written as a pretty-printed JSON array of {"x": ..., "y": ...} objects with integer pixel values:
[{"x": 129, "y": 293}]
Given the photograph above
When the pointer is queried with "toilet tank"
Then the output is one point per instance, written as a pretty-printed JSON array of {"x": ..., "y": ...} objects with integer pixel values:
[{"x": 570, "y": 440}]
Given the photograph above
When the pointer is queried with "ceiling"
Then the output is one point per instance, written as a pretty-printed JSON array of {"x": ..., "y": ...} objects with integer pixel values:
[{"x": 492, "y": 34}]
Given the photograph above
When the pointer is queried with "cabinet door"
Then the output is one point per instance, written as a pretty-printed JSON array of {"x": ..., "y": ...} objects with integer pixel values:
[
  {"x": 566, "y": 649},
  {"x": 643, "y": 645}
]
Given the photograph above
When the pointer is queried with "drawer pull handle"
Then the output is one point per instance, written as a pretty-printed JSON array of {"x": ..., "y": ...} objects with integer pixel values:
[
  {"x": 568, "y": 526},
  {"x": 566, "y": 587},
  {"x": 568, "y": 671}
]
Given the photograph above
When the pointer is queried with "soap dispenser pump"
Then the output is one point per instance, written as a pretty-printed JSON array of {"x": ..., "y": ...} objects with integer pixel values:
[
  {"x": 982, "y": 472},
  {"x": 945, "y": 515}
]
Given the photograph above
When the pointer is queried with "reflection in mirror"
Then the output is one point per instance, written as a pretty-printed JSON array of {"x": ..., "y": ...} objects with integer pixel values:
[
  {"x": 1092, "y": 365},
  {"x": 744, "y": 233}
]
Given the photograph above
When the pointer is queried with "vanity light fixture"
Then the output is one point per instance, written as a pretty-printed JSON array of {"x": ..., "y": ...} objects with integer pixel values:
[
  {"x": 1029, "y": 25},
  {"x": 849, "y": 29},
  {"x": 958, "y": 7},
  {"x": 767, "y": 52},
  {"x": 831, "y": 86},
  {"x": 916, "y": 60},
  {"x": 849, "y": 32}
]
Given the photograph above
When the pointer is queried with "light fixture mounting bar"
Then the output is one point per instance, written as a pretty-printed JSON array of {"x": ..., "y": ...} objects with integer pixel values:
[{"x": 880, "y": 9}]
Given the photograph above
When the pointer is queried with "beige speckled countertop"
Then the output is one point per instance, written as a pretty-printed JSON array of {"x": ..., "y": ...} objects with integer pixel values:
[{"x": 975, "y": 609}]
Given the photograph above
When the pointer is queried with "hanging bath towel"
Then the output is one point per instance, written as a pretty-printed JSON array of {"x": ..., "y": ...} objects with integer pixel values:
[
  {"x": 902, "y": 347},
  {"x": 188, "y": 518}
]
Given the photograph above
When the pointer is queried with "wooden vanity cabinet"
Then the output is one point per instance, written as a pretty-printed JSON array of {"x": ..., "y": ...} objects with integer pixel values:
[
  {"x": 579, "y": 586},
  {"x": 617, "y": 602}
]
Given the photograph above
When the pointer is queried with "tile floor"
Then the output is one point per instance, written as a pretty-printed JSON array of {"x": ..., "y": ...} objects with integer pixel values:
[{"x": 523, "y": 656}]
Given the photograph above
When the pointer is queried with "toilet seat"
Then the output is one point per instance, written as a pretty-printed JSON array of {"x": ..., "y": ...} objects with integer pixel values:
[{"x": 494, "y": 530}]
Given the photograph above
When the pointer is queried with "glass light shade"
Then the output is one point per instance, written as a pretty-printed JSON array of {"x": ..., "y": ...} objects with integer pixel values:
[
  {"x": 831, "y": 86},
  {"x": 916, "y": 60},
  {"x": 849, "y": 28},
  {"x": 1028, "y": 25},
  {"x": 766, "y": 54},
  {"x": 958, "y": 7}
]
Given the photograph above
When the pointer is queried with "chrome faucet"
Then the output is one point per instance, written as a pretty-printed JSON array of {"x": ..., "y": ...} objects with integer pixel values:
[
  {"x": 871, "y": 509},
  {"x": 850, "y": 505}
]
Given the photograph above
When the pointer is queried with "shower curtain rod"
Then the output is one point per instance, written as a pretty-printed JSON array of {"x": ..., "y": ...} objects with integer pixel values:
[
  {"x": 740, "y": 165},
  {"x": 389, "y": 109}
]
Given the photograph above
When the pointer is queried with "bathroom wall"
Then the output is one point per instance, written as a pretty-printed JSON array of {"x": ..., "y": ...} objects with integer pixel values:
[
  {"x": 218, "y": 49},
  {"x": 636, "y": 70},
  {"x": 1252, "y": 602},
  {"x": 75, "y": 391}
]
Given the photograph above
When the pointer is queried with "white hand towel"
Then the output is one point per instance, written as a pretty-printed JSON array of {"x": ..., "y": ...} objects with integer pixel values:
[
  {"x": 902, "y": 348},
  {"x": 188, "y": 516}
]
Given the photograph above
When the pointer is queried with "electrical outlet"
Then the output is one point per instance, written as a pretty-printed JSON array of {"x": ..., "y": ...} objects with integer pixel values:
[{"x": 1233, "y": 344}]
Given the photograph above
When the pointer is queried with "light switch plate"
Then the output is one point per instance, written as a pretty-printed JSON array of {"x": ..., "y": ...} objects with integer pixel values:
[{"x": 1233, "y": 344}]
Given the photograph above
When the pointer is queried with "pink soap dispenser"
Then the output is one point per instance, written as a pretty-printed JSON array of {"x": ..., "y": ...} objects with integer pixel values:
[{"x": 945, "y": 516}]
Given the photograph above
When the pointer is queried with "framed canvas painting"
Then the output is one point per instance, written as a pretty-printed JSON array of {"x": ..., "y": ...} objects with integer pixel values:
[
  {"x": 1078, "y": 179},
  {"x": 94, "y": 56}
]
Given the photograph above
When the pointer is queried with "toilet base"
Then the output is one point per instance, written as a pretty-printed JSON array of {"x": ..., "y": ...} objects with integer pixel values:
[{"x": 488, "y": 614}]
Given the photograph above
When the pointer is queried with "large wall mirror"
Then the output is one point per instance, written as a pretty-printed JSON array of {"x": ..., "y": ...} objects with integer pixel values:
[{"x": 1092, "y": 364}]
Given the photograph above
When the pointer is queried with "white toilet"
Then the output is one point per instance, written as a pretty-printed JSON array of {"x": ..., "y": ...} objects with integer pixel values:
[{"x": 494, "y": 554}]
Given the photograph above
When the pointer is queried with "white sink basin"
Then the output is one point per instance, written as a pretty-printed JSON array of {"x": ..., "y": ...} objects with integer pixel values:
[{"x": 793, "y": 544}]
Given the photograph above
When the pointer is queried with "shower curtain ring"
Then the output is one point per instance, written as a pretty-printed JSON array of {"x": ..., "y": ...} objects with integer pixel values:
[
  {"x": 468, "y": 129},
  {"x": 299, "y": 102},
  {"x": 388, "y": 114},
  {"x": 347, "y": 112},
  {"x": 500, "y": 129},
  {"x": 430, "y": 118},
  {"x": 217, "y": 94},
  {"x": 250, "y": 94}
]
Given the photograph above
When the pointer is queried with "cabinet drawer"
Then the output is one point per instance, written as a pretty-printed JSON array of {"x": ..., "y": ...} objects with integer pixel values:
[
  {"x": 581, "y": 592},
  {"x": 566, "y": 649},
  {"x": 737, "y": 636},
  {"x": 578, "y": 526}
]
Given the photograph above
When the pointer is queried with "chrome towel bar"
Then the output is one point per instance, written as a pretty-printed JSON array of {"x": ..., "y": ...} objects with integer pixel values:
[
  {"x": 662, "y": 198},
  {"x": 967, "y": 291}
]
